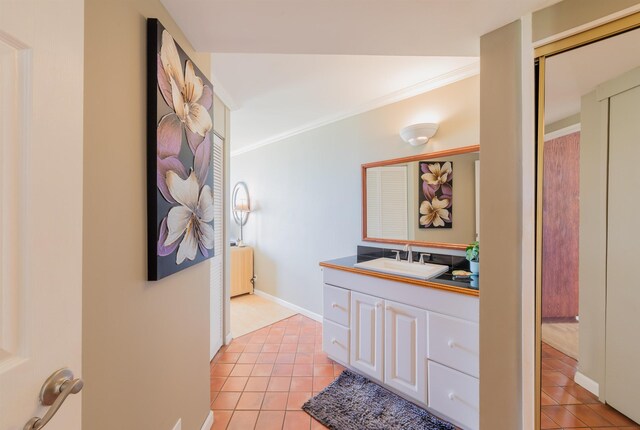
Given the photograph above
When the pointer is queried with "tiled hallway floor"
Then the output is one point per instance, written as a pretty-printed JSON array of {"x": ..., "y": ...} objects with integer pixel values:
[
  {"x": 566, "y": 405},
  {"x": 261, "y": 380}
]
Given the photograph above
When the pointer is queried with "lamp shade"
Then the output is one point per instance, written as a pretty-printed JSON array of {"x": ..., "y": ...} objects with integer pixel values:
[
  {"x": 242, "y": 206},
  {"x": 418, "y": 134}
]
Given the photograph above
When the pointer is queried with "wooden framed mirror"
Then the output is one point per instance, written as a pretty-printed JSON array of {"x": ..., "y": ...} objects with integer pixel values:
[
  {"x": 426, "y": 200},
  {"x": 586, "y": 226}
]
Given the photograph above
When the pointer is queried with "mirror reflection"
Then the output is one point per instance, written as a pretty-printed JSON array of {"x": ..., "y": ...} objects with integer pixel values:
[
  {"x": 590, "y": 303},
  {"x": 432, "y": 200}
]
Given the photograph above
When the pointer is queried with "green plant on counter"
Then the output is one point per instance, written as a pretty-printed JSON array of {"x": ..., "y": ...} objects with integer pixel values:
[{"x": 473, "y": 251}]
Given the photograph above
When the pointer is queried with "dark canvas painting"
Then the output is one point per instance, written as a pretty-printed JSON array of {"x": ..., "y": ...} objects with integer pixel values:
[
  {"x": 435, "y": 194},
  {"x": 179, "y": 148}
]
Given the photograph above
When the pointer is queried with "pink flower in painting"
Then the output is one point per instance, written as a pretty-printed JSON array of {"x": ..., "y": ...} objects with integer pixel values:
[
  {"x": 188, "y": 97},
  {"x": 190, "y": 100},
  {"x": 437, "y": 174}
]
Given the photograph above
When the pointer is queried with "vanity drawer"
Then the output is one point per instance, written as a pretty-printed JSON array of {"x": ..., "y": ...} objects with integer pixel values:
[
  {"x": 454, "y": 394},
  {"x": 335, "y": 341},
  {"x": 336, "y": 304},
  {"x": 454, "y": 342}
]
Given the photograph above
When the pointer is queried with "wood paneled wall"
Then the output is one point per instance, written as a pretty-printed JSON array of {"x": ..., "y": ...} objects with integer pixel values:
[{"x": 561, "y": 220}]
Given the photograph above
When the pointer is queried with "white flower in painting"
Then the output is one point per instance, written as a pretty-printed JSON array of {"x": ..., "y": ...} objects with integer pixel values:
[
  {"x": 434, "y": 212},
  {"x": 187, "y": 95},
  {"x": 438, "y": 174},
  {"x": 189, "y": 221}
]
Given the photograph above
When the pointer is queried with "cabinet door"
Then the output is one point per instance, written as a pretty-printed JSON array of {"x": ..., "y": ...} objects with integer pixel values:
[
  {"x": 367, "y": 336},
  {"x": 241, "y": 270},
  {"x": 405, "y": 341}
]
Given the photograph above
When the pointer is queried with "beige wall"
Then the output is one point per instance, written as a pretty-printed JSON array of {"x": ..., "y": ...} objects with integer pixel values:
[
  {"x": 501, "y": 228},
  {"x": 306, "y": 190},
  {"x": 145, "y": 344},
  {"x": 569, "y": 14}
]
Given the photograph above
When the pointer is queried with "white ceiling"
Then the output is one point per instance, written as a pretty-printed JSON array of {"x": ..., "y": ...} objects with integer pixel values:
[
  {"x": 371, "y": 27},
  {"x": 286, "y": 66},
  {"x": 278, "y": 95},
  {"x": 572, "y": 74}
]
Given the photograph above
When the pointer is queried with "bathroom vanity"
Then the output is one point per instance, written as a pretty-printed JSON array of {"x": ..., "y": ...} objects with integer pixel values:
[{"x": 418, "y": 338}]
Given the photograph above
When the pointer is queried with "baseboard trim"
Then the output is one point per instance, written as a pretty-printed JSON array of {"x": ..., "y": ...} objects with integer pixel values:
[
  {"x": 208, "y": 422},
  {"x": 587, "y": 383},
  {"x": 303, "y": 311}
]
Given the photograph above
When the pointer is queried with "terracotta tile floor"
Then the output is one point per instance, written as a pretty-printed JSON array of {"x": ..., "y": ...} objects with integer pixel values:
[
  {"x": 566, "y": 405},
  {"x": 261, "y": 379}
]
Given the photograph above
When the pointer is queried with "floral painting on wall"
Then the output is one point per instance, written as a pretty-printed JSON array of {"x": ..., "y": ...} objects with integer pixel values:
[
  {"x": 436, "y": 194},
  {"x": 179, "y": 147}
]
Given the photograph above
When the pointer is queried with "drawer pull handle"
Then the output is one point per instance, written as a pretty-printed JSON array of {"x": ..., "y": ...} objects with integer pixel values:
[
  {"x": 334, "y": 341},
  {"x": 451, "y": 344},
  {"x": 452, "y": 396},
  {"x": 334, "y": 305}
]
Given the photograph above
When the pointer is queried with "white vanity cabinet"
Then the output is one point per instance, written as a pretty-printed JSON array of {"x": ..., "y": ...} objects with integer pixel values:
[
  {"x": 419, "y": 342},
  {"x": 404, "y": 349},
  {"x": 367, "y": 340},
  {"x": 335, "y": 324}
]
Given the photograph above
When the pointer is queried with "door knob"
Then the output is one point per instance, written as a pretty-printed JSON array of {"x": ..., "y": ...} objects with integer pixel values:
[{"x": 53, "y": 393}]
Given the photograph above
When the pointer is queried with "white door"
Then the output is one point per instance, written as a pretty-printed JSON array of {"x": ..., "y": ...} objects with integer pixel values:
[
  {"x": 41, "y": 119},
  {"x": 367, "y": 337},
  {"x": 405, "y": 357},
  {"x": 217, "y": 262},
  {"x": 623, "y": 291}
]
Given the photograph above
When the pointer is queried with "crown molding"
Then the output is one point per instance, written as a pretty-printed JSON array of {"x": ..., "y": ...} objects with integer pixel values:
[
  {"x": 222, "y": 93},
  {"x": 562, "y": 132},
  {"x": 405, "y": 93}
]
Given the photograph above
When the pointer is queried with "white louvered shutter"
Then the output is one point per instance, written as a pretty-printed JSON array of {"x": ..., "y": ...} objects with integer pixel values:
[
  {"x": 217, "y": 262},
  {"x": 387, "y": 213}
]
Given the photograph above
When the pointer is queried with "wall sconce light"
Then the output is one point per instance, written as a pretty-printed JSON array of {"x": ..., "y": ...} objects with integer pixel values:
[
  {"x": 418, "y": 134},
  {"x": 241, "y": 207}
]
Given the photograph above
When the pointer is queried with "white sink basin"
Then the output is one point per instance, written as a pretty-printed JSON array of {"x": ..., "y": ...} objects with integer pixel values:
[{"x": 404, "y": 268}]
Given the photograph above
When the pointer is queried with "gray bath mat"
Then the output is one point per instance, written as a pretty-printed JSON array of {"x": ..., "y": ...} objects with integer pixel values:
[{"x": 352, "y": 402}]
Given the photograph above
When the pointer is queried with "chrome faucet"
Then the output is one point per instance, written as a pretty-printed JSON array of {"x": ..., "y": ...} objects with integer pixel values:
[
  {"x": 409, "y": 252},
  {"x": 397, "y": 254},
  {"x": 422, "y": 255}
]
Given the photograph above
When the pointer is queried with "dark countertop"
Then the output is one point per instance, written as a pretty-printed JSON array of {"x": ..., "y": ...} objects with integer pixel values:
[{"x": 445, "y": 281}]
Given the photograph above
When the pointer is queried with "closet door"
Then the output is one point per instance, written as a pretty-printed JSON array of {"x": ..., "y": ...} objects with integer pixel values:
[{"x": 623, "y": 286}]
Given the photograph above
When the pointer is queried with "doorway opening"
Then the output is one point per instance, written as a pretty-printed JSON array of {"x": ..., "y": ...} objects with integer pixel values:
[
  {"x": 588, "y": 129},
  {"x": 248, "y": 311}
]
